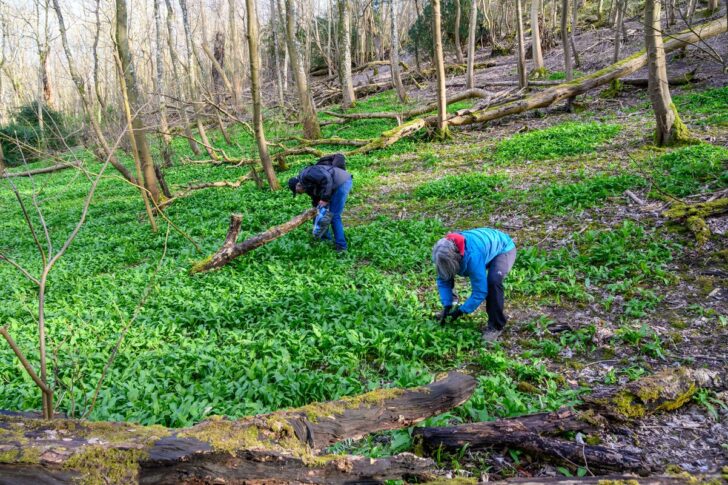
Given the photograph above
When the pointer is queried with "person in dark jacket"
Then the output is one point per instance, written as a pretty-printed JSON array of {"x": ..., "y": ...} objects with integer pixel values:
[
  {"x": 485, "y": 256},
  {"x": 328, "y": 186}
]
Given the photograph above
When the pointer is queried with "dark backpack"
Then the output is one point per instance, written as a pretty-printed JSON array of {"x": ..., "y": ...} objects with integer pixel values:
[{"x": 335, "y": 160}]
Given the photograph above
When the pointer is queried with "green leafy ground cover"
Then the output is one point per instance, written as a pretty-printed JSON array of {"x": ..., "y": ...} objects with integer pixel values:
[{"x": 292, "y": 323}]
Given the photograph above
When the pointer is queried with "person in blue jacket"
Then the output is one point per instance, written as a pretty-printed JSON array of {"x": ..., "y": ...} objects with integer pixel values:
[{"x": 485, "y": 256}]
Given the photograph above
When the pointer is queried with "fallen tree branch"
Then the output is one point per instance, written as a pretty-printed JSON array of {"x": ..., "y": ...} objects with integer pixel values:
[
  {"x": 281, "y": 447},
  {"x": 230, "y": 250},
  {"x": 38, "y": 171}
]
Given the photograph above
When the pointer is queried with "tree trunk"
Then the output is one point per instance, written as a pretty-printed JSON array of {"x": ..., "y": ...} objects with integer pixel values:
[
  {"x": 618, "y": 28},
  {"x": 86, "y": 102},
  {"x": 347, "y": 86},
  {"x": 236, "y": 68},
  {"x": 538, "y": 67},
  {"x": 255, "y": 92},
  {"x": 311, "y": 127},
  {"x": 472, "y": 28},
  {"x": 670, "y": 129},
  {"x": 159, "y": 79},
  {"x": 276, "y": 53},
  {"x": 394, "y": 56},
  {"x": 135, "y": 102},
  {"x": 521, "y": 59},
  {"x": 442, "y": 131},
  {"x": 281, "y": 447},
  {"x": 97, "y": 81},
  {"x": 572, "y": 37},
  {"x": 178, "y": 79},
  {"x": 456, "y": 37},
  {"x": 713, "y": 5},
  {"x": 565, "y": 44},
  {"x": 417, "y": 37},
  {"x": 670, "y": 12}
]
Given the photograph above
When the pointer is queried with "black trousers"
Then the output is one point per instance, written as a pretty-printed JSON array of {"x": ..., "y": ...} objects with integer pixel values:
[{"x": 498, "y": 268}]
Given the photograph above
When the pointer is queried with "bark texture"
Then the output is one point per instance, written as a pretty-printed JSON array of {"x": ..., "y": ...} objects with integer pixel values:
[
  {"x": 440, "y": 70},
  {"x": 347, "y": 86}
]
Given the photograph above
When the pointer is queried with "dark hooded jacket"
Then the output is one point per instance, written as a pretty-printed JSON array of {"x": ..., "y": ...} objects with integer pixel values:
[{"x": 321, "y": 181}]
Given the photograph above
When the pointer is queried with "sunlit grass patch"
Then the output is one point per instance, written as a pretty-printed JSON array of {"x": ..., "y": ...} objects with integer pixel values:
[
  {"x": 564, "y": 140},
  {"x": 465, "y": 186},
  {"x": 710, "y": 107},
  {"x": 692, "y": 169}
]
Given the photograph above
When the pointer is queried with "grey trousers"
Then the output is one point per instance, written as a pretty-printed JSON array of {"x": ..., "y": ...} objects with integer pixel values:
[{"x": 498, "y": 268}]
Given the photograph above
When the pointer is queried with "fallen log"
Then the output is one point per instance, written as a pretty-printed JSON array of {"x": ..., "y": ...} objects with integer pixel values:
[
  {"x": 281, "y": 447},
  {"x": 663, "y": 391},
  {"x": 38, "y": 171},
  {"x": 554, "y": 94},
  {"x": 524, "y": 433},
  {"x": 694, "y": 215},
  {"x": 230, "y": 250}
]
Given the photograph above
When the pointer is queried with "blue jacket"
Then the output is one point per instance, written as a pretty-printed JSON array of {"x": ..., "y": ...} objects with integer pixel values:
[{"x": 481, "y": 246}]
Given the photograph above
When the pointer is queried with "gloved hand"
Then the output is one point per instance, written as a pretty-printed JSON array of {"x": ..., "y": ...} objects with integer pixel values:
[
  {"x": 455, "y": 314},
  {"x": 442, "y": 316}
]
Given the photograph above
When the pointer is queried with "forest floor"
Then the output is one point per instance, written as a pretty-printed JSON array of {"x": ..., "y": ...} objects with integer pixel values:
[{"x": 604, "y": 290}]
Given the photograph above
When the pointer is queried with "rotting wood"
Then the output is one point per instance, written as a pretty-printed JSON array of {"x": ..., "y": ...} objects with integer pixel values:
[
  {"x": 281, "y": 447},
  {"x": 230, "y": 250},
  {"x": 694, "y": 215}
]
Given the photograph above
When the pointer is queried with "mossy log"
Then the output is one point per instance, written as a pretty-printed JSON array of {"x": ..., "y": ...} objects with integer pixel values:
[
  {"x": 231, "y": 250},
  {"x": 694, "y": 215},
  {"x": 282, "y": 447},
  {"x": 666, "y": 390},
  {"x": 38, "y": 171},
  {"x": 524, "y": 433}
]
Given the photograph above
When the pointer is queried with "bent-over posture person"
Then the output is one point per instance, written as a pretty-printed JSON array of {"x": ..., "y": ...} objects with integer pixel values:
[
  {"x": 328, "y": 186},
  {"x": 485, "y": 256}
]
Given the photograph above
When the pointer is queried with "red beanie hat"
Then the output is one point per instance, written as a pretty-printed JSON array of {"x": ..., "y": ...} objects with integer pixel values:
[{"x": 459, "y": 241}]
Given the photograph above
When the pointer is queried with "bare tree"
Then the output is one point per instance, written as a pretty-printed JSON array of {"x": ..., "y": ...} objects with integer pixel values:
[
  {"x": 458, "y": 44},
  {"x": 670, "y": 129},
  {"x": 347, "y": 86},
  {"x": 574, "y": 13},
  {"x": 311, "y": 127},
  {"x": 442, "y": 130},
  {"x": 472, "y": 27},
  {"x": 538, "y": 67},
  {"x": 394, "y": 57},
  {"x": 276, "y": 53},
  {"x": 235, "y": 62},
  {"x": 522, "y": 78},
  {"x": 255, "y": 91},
  {"x": 132, "y": 93},
  {"x": 565, "y": 43}
]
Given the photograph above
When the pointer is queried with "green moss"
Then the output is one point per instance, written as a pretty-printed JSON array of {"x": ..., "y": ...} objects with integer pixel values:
[
  {"x": 679, "y": 134},
  {"x": 538, "y": 73},
  {"x": 101, "y": 465},
  {"x": 624, "y": 404},
  {"x": 699, "y": 228},
  {"x": 593, "y": 439},
  {"x": 527, "y": 387},
  {"x": 453, "y": 481},
  {"x": 618, "y": 482},
  {"x": 20, "y": 455},
  {"x": 613, "y": 90},
  {"x": 225, "y": 435},
  {"x": 200, "y": 265}
]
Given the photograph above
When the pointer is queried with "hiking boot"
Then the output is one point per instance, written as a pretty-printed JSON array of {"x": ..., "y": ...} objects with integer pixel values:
[
  {"x": 341, "y": 250},
  {"x": 491, "y": 333}
]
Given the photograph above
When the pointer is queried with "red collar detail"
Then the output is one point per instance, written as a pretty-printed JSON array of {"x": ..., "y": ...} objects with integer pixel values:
[{"x": 459, "y": 241}]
